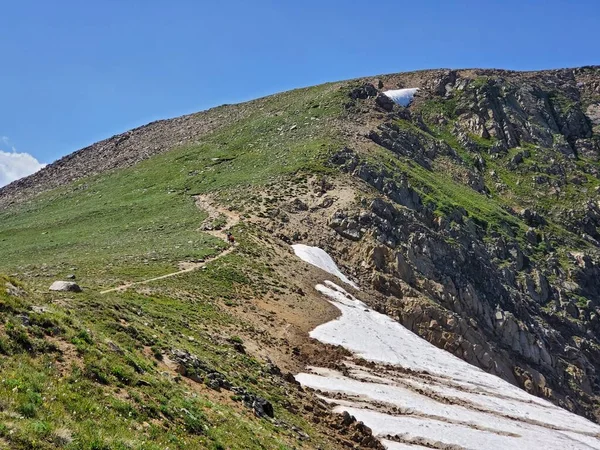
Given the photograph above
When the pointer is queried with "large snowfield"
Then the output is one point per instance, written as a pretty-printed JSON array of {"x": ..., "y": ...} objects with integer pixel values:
[{"x": 418, "y": 396}]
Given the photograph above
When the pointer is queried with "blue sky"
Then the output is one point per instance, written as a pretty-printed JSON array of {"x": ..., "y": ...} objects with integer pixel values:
[{"x": 75, "y": 72}]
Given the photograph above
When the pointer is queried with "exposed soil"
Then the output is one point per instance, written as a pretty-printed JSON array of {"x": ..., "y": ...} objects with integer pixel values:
[{"x": 68, "y": 358}]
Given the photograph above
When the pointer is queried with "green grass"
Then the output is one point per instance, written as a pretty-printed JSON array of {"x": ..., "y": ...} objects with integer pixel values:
[
  {"x": 433, "y": 108},
  {"x": 114, "y": 394},
  {"x": 479, "y": 82},
  {"x": 109, "y": 391},
  {"x": 139, "y": 222},
  {"x": 439, "y": 189},
  {"x": 129, "y": 224},
  {"x": 560, "y": 102}
]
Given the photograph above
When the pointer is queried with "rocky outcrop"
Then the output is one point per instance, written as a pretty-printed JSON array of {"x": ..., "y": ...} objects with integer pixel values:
[
  {"x": 488, "y": 315},
  {"x": 505, "y": 292},
  {"x": 365, "y": 91},
  {"x": 398, "y": 189},
  {"x": 523, "y": 111},
  {"x": 192, "y": 367}
]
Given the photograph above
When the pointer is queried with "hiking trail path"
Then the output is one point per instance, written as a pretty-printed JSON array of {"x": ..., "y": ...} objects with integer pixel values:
[{"x": 214, "y": 212}]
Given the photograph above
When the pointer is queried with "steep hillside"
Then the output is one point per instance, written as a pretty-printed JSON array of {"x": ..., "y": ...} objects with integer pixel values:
[{"x": 470, "y": 216}]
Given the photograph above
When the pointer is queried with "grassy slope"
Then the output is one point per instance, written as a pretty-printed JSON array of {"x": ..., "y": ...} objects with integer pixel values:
[
  {"x": 138, "y": 222},
  {"x": 88, "y": 375},
  {"x": 132, "y": 224}
]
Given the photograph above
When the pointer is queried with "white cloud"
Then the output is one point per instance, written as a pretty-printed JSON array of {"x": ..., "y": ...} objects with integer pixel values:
[{"x": 15, "y": 165}]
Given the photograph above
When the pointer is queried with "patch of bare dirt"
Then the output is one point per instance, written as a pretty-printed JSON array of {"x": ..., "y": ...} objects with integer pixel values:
[
  {"x": 68, "y": 358},
  {"x": 216, "y": 212}
]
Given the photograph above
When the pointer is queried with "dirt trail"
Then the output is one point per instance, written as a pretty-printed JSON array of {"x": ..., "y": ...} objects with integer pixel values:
[{"x": 214, "y": 212}]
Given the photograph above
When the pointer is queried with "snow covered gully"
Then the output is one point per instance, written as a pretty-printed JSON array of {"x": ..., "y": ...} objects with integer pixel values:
[
  {"x": 403, "y": 97},
  {"x": 418, "y": 396}
]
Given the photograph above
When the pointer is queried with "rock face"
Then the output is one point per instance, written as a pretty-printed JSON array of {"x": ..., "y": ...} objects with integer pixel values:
[
  {"x": 459, "y": 234},
  {"x": 65, "y": 286}
]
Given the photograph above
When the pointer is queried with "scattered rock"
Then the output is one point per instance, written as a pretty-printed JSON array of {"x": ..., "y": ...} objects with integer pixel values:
[
  {"x": 296, "y": 205},
  {"x": 532, "y": 218},
  {"x": 347, "y": 419},
  {"x": 572, "y": 309},
  {"x": 517, "y": 159},
  {"x": 365, "y": 91},
  {"x": 24, "y": 318},
  {"x": 531, "y": 236},
  {"x": 385, "y": 102},
  {"x": 13, "y": 290},
  {"x": 263, "y": 408}
]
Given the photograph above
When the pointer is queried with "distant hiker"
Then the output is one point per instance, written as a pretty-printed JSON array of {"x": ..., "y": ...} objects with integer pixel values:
[{"x": 230, "y": 238}]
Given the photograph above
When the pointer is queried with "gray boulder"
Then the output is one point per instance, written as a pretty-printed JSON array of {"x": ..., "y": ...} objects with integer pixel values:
[
  {"x": 593, "y": 113},
  {"x": 65, "y": 286}
]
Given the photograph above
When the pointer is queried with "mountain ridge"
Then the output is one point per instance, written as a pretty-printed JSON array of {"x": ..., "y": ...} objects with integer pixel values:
[
  {"x": 45, "y": 175},
  {"x": 471, "y": 217}
]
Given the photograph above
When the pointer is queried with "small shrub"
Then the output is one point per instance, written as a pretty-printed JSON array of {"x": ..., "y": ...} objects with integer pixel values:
[
  {"x": 41, "y": 429},
  {"x": 124, "y": 408},
  {"x": 236, "y": 340},
  {"x": 20, "y": 337},
  {"x": 42, "y": 320},
  {"x": 194, "y": 424},
  {"x": 136, "y": 365},
  {"x": 5, "y": 347},
  {"x": 85, "y": 336},
  {"x": 96, "y": 371},
  {"x": 123, "y": 374},
  {"x": 28, "y": 409},
  {"x": 157, "y": 353},
  {"x": 98, "y": 444}
]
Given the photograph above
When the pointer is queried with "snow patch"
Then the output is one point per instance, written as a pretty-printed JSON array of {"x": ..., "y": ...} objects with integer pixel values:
[
  {"x": 468, "y": 436},
  {"x": 425, "y": 393},
  {"x": 403, "y": 97},
  {"x": 321, "y": 259},
  {"x": 391, "y": 445}
]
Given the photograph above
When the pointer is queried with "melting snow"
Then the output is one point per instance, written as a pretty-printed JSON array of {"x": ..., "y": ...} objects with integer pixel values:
[
  {"x": 425, "y": 396},
  {"x": 391, "y": 445},
  {"x": 402, "y": 96},
  {"x": 320, "y": 258}
]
